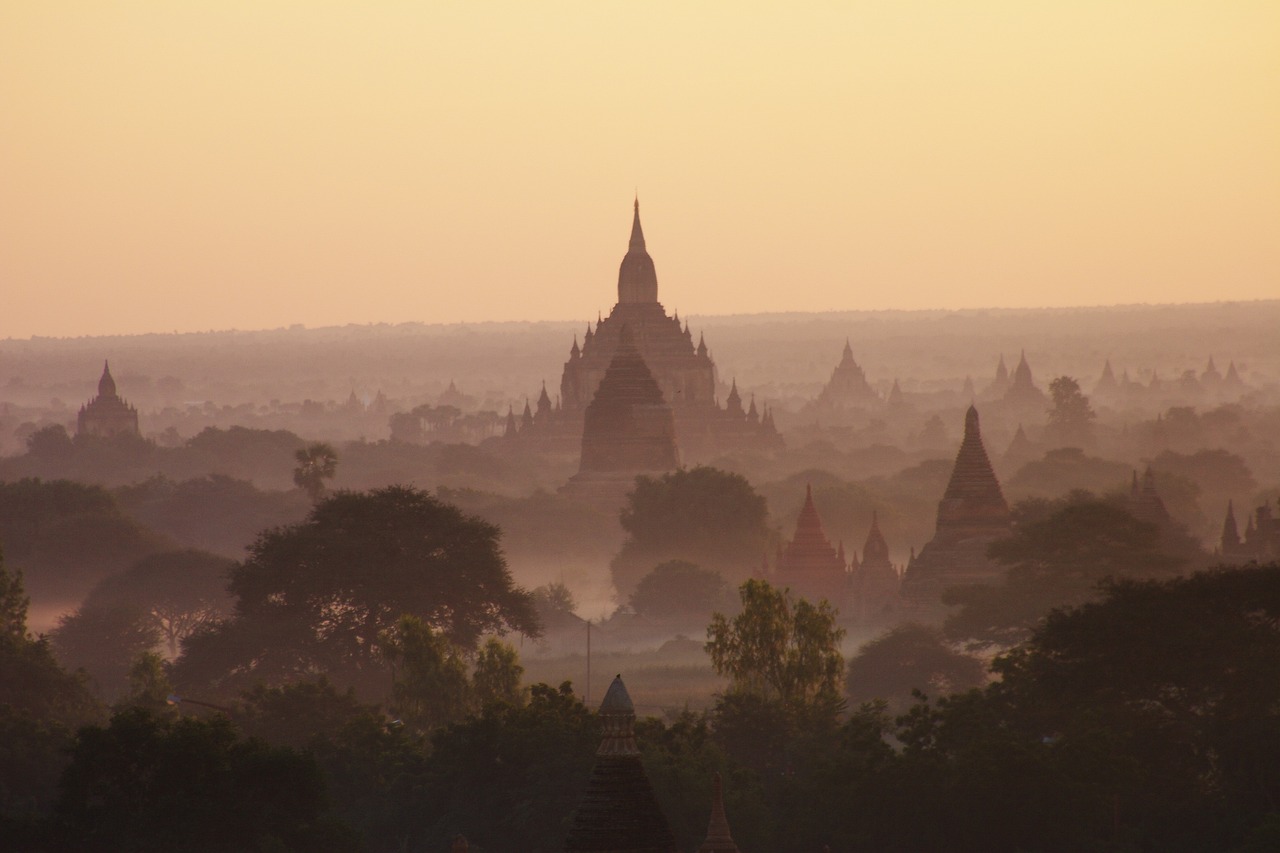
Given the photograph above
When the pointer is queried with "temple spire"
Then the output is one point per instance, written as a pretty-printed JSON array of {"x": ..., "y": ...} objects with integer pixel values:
[
  {"x": 719, "y": 838},
  {"x": 637, "y": 278}
]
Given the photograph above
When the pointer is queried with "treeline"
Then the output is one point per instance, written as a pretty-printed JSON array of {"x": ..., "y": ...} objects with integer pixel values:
[{"x": 1148, "y": 719}]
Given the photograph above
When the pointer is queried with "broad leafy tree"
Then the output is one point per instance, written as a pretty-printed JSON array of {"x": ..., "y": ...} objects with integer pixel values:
[
  {"x": 778, "y": 647},
  {"x": 911, "y": 657},
  {"x": 1057, "y": 557},
  {"x": 497, "y": 674},
  {"x": 105, "y": 642},
  {"x": 706, "y": 516},
  {"x": 429, "y": 676},
  {"x": 158, "y": 783},
  {"x": 679, "y": 588},
  {"x": 322, "y": 596}
]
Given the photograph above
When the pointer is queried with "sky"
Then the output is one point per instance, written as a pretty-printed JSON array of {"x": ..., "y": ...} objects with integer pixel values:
[{"x": 190, "y": 166}]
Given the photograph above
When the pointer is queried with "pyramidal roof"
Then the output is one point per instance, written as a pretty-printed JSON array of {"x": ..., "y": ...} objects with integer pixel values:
[
  {"x": 972, "y": 476},
  {"x": 810, "y": 538},
  {"x": 106, "y": 385},
  {"x": 619, "y": 812}
]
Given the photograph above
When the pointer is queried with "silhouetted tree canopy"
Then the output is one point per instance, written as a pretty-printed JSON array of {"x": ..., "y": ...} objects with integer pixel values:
[
  {"x": 1057, "y": 561},
  {"x": 908, "y": 658},
  {"x": 149, "y": 783},
  {"x": 319, "y": 597},
  {"x": 703, "y": 515},
  {"x": 679, "y": 588}
]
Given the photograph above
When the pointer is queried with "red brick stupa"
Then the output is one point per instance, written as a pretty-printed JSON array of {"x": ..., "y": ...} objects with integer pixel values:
[{"x": 808, "y": 565}]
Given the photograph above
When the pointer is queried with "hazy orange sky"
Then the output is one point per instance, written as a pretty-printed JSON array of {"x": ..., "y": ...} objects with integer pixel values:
[{"x": 213, "y": 165}]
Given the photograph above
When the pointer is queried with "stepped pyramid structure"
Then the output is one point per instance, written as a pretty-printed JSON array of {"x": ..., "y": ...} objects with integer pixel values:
[
  {"x": 107, "y": 414},
  {"x": 628, "y": 429},
  {"x": 809, "y": 565},
  {"x": 684, "y": 371},
  {"x": 1145, "y": 503},
  {"x": 875, "y": 579},
  {"x": 848, "y": 386},
  {"x": 618, "y": 812},
  {"x": 971, "y": 515}
]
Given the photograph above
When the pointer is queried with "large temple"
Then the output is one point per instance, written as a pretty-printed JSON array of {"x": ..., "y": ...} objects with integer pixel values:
[
  {"x": 107, "y": 414},
  {"x": 685, "y": 373},
  {"x": 628, "y": 429},
  {"x": 971, "y": 515},
  {"x": 848, "y": 387}
]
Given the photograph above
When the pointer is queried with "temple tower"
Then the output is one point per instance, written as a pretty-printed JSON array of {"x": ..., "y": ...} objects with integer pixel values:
[
  {"x": 972, "y": 514},
  {"x": 875, "y": 580},
  {"x": 619, "y": 812},
  {"x": 719, "y": 838},
  {"x": 107, "y": 414},
  {"x": 848, "y": 386},
  {"x": 809, "y": 565},
  {"x": 637, "y": 278}
]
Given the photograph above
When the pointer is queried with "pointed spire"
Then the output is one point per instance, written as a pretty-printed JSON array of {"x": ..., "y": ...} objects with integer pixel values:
[
  {"x": 637, "y": 233},
  {"x": 619, "y": 717},
  {"x": 847, "y": 355},
  {"x": 1230, "y": 533},
  {"x": 973, "y": 496},
  {"x": 719, "y": 838},
  {"x": 733, "y": 405},
  {"x": 575, "y": 352},
  {"x": 106, "y": 385},
  {"x": 702, "y": 344},
  {"x": 752, "y": 414}
]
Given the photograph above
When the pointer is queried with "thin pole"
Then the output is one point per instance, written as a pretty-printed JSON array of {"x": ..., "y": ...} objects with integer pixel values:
[{"x": 588, "y": 661}]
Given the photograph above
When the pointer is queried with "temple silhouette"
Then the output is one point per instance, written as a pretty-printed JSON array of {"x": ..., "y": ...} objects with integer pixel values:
[
  {"x": 971, "y": 515},
  {"x": 684, "y": 372},
  {"x": 107, "y": 414}
]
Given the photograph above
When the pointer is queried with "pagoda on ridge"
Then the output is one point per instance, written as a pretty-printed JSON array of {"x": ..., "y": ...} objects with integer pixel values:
[
  {"x": 107, "y": 414},
  {"x": 971, "y": 515}
]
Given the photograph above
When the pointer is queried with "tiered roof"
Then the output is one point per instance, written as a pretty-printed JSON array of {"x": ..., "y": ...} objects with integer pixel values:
[
  {"x": 628, "y": 426},
  {"x": 973, "y": 499},
  {"x": 619, "y": 812}
]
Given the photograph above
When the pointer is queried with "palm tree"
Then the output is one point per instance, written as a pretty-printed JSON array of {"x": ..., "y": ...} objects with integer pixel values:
[{"x": 316, "y": 463}]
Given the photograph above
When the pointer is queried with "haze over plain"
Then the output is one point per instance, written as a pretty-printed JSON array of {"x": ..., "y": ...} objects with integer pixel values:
[{"x": 247, "y": 165}]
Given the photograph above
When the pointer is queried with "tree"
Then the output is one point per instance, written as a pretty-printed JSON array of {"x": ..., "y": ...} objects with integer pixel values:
[
  {"x": 1071, "y": 416},
  {"x": 105, "y": 642},
  {"x": 704, "y": 515},
  {"x": 50, "y": 443},
  {"x": 317, "y": 462},
  {"x": 322, "y": 596},
  {"x": 497, "y": 674},
  {"x": 151, "y": 783},
  {"x": 908, "y": 658},
  {"x": 41, "y": 706},
  {"x": 1178, "y": 676},
  {"x": 429, "y": 677},
  {"x": 1055, "y": 561},
  {"x": 149, "y": 685},
  {"x": 181, "y": 591},
  {"x": 778, "y": 648},
  {"x": 678, "y": 588}
]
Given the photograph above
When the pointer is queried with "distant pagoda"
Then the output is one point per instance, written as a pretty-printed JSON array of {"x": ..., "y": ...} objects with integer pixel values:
[
  {"x": 972, "y": 514},
  {"x": 107, "y": 414},
  {"x": 683, "y": 370},
  {"x": 848, "y": 386},
  {"x": 875, "y": 579},
  {"x": 809, "y": 565},
  {"x": 628, "y": 429},
  {"x": 1022, "y": 390},
  {"x": 619, "y": 812}
]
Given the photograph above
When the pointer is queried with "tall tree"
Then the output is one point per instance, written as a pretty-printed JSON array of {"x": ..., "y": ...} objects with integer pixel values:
[
  {"x": 908, "y": 658},
  {"x": 497, "y": 674},
  {"x": 777, "y": 647},
  {"x": 429, "y": 677},
  {"x": 317, "y": 462},
  {"x": 1070, "y": 416},
  {"x": 321, "y": 596}
]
